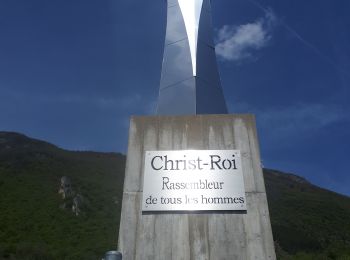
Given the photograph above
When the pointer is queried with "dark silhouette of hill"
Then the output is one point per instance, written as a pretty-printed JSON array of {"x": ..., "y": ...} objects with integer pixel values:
[{"x": 308, "y": 222}]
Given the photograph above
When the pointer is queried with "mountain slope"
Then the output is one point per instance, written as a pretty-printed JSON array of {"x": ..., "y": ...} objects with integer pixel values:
[
  {"x": 31, "y": 222},
  {"x": 308, "y": 222},
  {"x": 306, "y": 218}
]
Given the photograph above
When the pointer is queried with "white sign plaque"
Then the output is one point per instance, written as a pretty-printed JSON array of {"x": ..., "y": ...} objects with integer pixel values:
[{"x": 193, "y": 180}]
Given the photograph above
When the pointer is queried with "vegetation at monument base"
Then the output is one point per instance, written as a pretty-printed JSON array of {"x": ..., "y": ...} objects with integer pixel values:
[{"x": 308, "y": 222}]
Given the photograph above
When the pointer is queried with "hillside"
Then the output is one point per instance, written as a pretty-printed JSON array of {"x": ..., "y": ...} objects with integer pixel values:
[
  {"x": 307, "y": 219},
  {"x": 31, "y": 221},
  {"x": 308, "y": 222}
]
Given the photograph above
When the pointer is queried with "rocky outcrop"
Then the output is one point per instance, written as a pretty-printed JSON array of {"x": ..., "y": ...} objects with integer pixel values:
[
  {"x": 66, "y": 189},
  {"x": 71, "y": 200},
  {"x": 78, "y": 204}
]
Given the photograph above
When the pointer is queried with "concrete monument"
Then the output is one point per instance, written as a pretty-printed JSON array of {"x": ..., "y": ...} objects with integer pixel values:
[{"x": 194, "y": 187}]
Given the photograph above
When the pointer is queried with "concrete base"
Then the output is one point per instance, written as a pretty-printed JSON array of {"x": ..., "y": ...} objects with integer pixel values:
[{"x": 195, "y": 236}]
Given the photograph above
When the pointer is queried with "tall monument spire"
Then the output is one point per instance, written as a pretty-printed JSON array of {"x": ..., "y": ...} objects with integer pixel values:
[{"x": 190, "y": 82}]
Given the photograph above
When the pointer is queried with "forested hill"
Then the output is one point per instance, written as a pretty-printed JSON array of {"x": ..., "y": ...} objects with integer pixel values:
[
  {"x": 36, "y": 221},
  {"x": 307, "y": 219},
  {"x": 41, "y": 220}
]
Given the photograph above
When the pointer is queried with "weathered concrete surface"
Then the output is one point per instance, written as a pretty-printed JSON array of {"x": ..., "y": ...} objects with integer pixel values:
[{"x": 195, "y": 236}]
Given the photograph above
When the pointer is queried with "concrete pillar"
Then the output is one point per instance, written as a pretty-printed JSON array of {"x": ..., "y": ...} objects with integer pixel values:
[{"x": 195, "y": 235}]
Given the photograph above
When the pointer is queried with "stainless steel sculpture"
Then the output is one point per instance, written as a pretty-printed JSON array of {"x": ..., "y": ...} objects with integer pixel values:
[{"x": 190, "y": 81}]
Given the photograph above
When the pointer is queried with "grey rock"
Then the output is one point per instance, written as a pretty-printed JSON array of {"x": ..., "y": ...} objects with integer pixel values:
[
  {"x": 73, "y": 200},
  {"x": 78, "y": 203},
  {"x": 66, "y": 189}
]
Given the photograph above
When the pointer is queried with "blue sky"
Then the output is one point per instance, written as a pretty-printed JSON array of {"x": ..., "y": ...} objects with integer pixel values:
[{"x": 72, "y": 73}]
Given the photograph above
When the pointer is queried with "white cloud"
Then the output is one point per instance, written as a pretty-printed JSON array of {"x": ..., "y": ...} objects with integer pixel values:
[
  {"x": 290, "y": 122},
  {"x": 128, "y": 102},
  {"x": 238, "y": 42},
  {"x": 305, "y": 118}
]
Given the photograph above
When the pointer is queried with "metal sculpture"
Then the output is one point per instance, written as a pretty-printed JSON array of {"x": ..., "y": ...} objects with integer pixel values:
[{"x": 190, "y": 81}]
